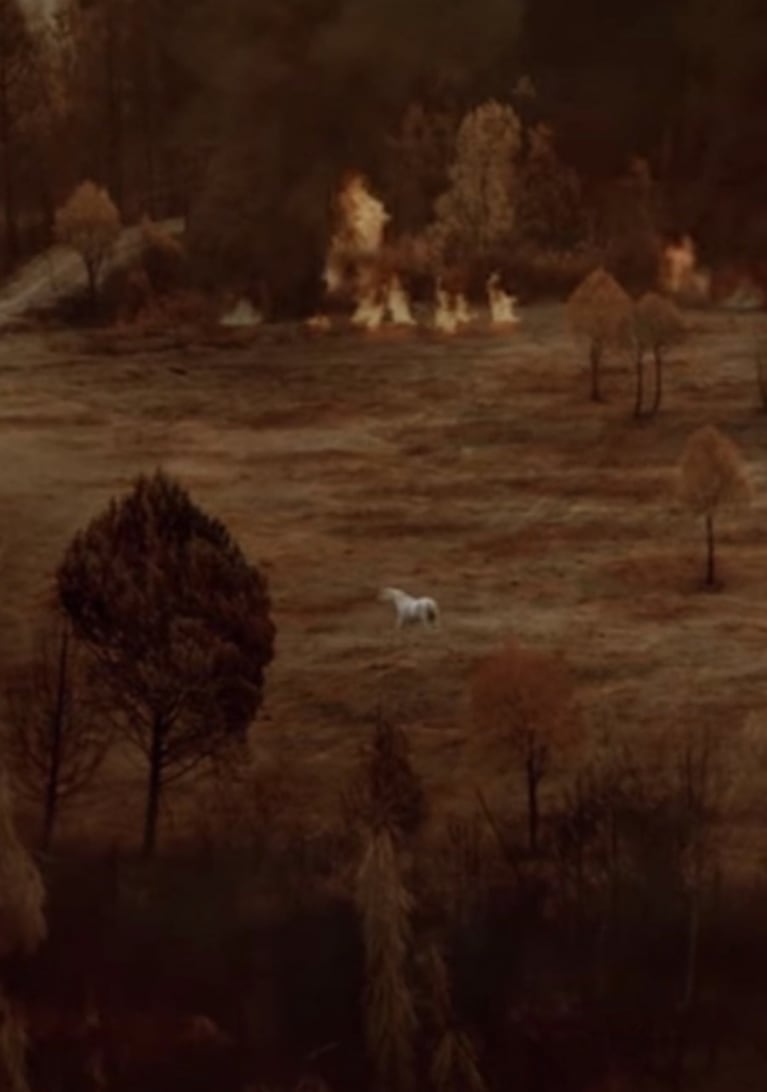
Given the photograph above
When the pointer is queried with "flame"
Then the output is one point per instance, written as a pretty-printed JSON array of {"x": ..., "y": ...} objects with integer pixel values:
[
  {"x": 369, "y": 312},
  {"x": 242, "y": 314},
  {"x": 362, "y": 219},
  {"x": 502, "y": 305},
  {"x": 445, "y": 318},
  {"x": 398, "y": 304},
  {"x": 680, "y": 273},
  {"x": 461, "y": 309},
  {"x": 450, "y": 311},
  {"x": 319, "y": 324}
]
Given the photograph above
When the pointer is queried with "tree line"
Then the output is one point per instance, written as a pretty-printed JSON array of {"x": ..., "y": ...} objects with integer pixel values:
[{"x": 245, "y": 116}]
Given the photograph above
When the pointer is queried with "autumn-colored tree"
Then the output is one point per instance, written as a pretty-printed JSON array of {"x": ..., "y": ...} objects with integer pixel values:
[
  {"x": 522, "y": 705},
  {"x": 657, "y": 325},
  {"x": 711, "y": 477},
  {"x": 600, "y": 311},
  {"x": 90, "y": 223},
  {"x": 417, "y": 166},
  {"x": 385, "y": 906},
  {"x": 551, "y": 212},
  {"x": 57, "y": 734},
  {"x": 388, "y": 792},
  {"x": 388, "y": 800},
  {"x": 178, "y": 622},
  {"x": 22, "y": 930},
  {"x": 475, "y": 216}
]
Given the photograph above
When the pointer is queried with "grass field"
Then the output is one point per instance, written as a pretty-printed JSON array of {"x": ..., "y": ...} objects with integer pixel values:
[{"x": 473, "y": 469}]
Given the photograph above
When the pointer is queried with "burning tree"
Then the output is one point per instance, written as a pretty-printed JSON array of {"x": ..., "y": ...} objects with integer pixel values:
[
  {"x": 600, "y": 311},
  {"x": 90, "y": 223},
  {"x": 657, "y": 325},
  {"x": 522, "y": 703},
  {"x": 178, "y": 623},
  {"x": 711, "y": 477},
  {"x": 475, "y": 216}
]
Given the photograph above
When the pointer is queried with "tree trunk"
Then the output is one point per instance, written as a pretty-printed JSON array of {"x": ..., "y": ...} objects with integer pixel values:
[
  {"x": 640, "y": 384},
  {"x": 54, "y": 770},
  {"x": 90, "y": 267},
  {"x": 532, "y": 804},
  {"x": 154, "y": 787},
  {"x": 658, "y": 381},
  {"x": 711, "y": 559},
  {"x": 595, "y": 357}
]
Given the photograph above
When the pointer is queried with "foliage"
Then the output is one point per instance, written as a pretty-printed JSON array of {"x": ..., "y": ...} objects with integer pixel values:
[
  {"x": 389, "y": 794},
  {"x": 600, "y": 311},
  {"x": 162, "y": 258},
  {"x": 475, "y": 217},
  {"x": 22, "y": 922},
  {"x": 416, "y": 168},
  {"x": 711, "y": 477},
  {"x": 630, "y": 227},
  {"x": 657, "y": 325},
  {"x": 385, "y": 907},
  {"x": 454, "y": 1060},
  {"x": 89, "y": 222},
  {"x": 550, "y": 209},
  {"x": 711, "y": 473},
  {"x": 57, "y": 735},
  {"x": 522, "y": 705},
  {"x": 178, "y": 622}
]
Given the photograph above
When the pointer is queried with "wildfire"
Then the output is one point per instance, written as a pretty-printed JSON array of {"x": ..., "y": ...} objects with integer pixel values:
[
  {"x": 502, "y": 305},
  {"x": 398, "y": 304},
  {"x": 359, "y": 237},
  {"x": 242, "y": 314},
  {"x": 680, "y": 274}
]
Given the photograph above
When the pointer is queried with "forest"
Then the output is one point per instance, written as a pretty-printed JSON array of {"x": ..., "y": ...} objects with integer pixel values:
[{"x": 244, "y": 118}]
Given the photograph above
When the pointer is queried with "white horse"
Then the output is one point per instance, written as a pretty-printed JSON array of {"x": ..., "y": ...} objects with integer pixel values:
[{"x": 411, "y": 611}]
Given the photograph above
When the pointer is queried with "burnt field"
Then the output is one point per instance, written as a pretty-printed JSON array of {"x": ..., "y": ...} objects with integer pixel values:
[{"x": 473, "y": 469}]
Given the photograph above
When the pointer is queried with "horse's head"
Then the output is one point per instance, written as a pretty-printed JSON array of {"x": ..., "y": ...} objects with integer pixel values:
[{"x": 389, "y": 595}]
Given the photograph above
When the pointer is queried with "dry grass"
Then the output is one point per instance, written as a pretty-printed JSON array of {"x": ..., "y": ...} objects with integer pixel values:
[{"x": 472, "y": 470}]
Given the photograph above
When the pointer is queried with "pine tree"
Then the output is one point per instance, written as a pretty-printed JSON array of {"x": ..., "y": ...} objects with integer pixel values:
[{"x": 179, "y": 624}]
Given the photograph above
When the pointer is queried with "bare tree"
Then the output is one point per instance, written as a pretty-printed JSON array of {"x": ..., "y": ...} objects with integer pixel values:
[
  {"x": 58, "y": 734},
  {"x": 179, "y": 624},
  {"x": 711, "y": 477},
  {"x": 522, "y": 706},
  {"x": 600, "y": 310},
  {"x": 657, "y": 325}
]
